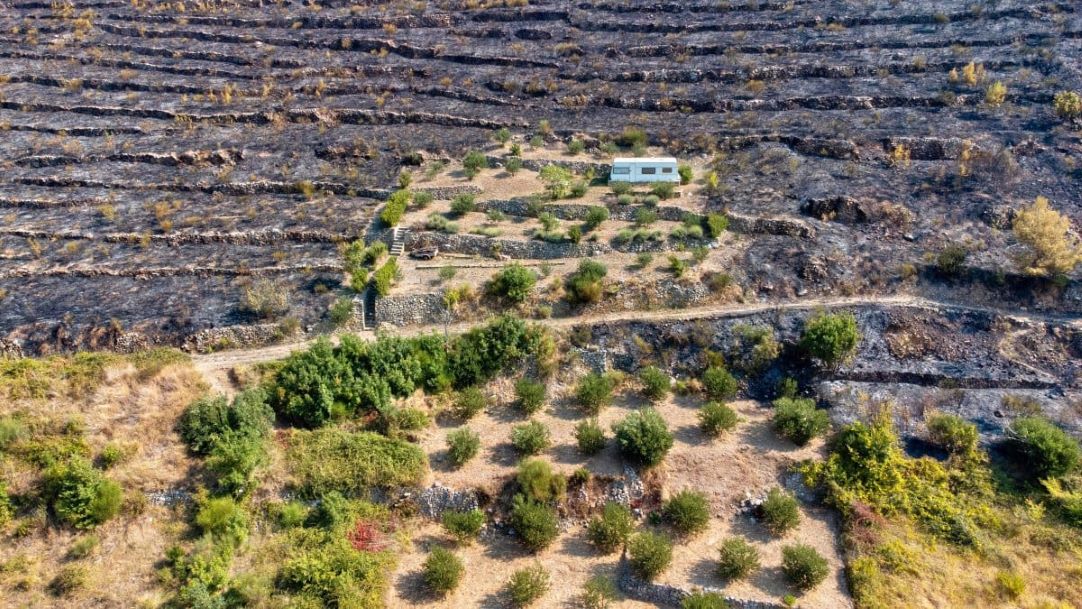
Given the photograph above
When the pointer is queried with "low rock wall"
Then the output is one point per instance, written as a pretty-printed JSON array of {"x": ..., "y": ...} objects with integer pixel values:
[{"x": 410, "y": 309}]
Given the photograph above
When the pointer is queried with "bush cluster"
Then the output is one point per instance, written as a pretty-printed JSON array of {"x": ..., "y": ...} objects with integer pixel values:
[
  {"x": 358, "y": 377},
  {"x": 719, "y": 384},
  {"x": 585, "y": 284},
  {"x": 538, "y": 482},
  {"x": 528, "y": 585},
  {"x": 535, "y": 523},
  {"x": 779, "y": 512},
  {"x": 590, "y": 437},
  {"x": 464, "y": 526},
  {"x": 1045, "y": 450},
  {"x": 337, "y": 460},
  {"x": 531, "y": 438},
  {"x": 831, "y": 338},
  {"x": 803, "y": 566},
  {"x": 395, "y": 207},
  {"x": 442, "y": 571},
  {"x": 468, "y": 403},
  {"x": 80, "y": 495},
  {"x": 954, "y": 434}
]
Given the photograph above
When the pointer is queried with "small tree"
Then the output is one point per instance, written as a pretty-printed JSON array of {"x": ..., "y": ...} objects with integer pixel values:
[
  {"x": 716, "y": 418},
  {"x": 799, "y": 420},
  {"x": 462, "y": 445},
  {"x": 737, "y": 559},
  {"x": 584, "y": 285},
  {"x": 779, "y": 512},
  {"x": 831, "y": 338},
  {"x": 464, "y": 526},
  {"x": 535, "y": 523},
  {"x": 1046, "y": 233},
  {"x": 442, "y": 571},
  {"x": 528, "y": 585},
  {"x": 687, "y": 512},
  {"x": 502, "y": 135},
  {"x": 463, "y": 204},
  {"x": 473, "y": 163},
  {"x": 1045, "y": 450},
  {"x": 557, "y": 180},
  {"x": 643, "y": 437},
  {"x": 611, "y": 530},
  {"x": 530, "y": 438},
  {"x": 655, "y": 383},
  {"x": 514, "y": 283},
  {"x": 954, "y": 434},
  {"x": 803, "y": 566},
  {"x": 530, "y": 394},
  {"x": 590, "y": 437},
  {"x": 594, "y": 392},
  {"x": 719, "y": 384},
  {"x": 649, "y": 554}
]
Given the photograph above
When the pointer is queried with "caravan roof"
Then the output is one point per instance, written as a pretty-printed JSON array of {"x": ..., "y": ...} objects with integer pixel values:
[{"x": 649, "y": 160}]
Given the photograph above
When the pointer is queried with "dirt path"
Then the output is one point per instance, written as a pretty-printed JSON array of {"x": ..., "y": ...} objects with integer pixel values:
[{"x": 211, "y": 365}]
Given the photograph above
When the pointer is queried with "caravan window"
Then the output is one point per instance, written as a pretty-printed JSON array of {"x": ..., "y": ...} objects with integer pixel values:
[
  {"x": 666, "y": 170},
  {"x": 621, "y": 171},
  {"x": 649, "y": 171}
]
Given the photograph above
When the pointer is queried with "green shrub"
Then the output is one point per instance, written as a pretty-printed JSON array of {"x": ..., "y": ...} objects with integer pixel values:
[
  {"x": 779, "y": 512},
  {"x": 557, "y": 180},
  {"x": 206, "y": 420},
  {"x": 513, "y": 165},
  {"x": 831, "y": 338},
  {"x": 584, "y": 285},
  {"x": 655, "y": 383},
  {"x": 597, "y": 593},
  {"x": 590, "y": 437},
  {"x": 334, "y": 459},
  {"x": 535, "y": 523},
  {"x": 462, "y": 445},
  {"x": 953, "y": 434},
  {"x": 405, "y": 419},
  {"x": 594, "y": 391},
  {"x": 595, "y": 215},
  {"x": 332, "y": 512},
  {"x": 1045, "y": 450},
  {"x": 704, "y": 600},
  {"x": 719, "y": 384},
  {"x": 687, "y": 512},
  {"x": 803, "y": 567},
  {"x": 576, "y": 147},
  {"x": 649, "y": 554},
  {"x": 643, "y": 437},
  {"x": 502, "y": 135},
  {"x": 69, "y": 580},
  {"x": 951, "y": 259},
  {"x": 1067, "y": 104},
  {"x": 799, "y": 420},
  {"x": 531, "y": 438},
  {"x": 442, "y": 571},
  {"x": 395, "y": 207},
  {"x": 737, "y": 559},
  {"x": 79, "y": 494},
  {"x": 341, "y": 310},
  {"x": 325, "y": 570},
  {"x": 528, "y": 585},
  {"x": 234, "y": 460},
  {"x": 625, "y": 199},
  {"x": 716, "y": 418},
  {"x": 1010, "y": 585},
  {"x": 422, "y": 199},
  {"x": 463, "y": 204},
  {"x": 291, "y": 515},
  {"x": 620, "y": 188},
  {"x": 578, "y": 190},
  {"x": 385, "y": 277},
  {"x": 787, "y": 388},
  {"x": 663, "y": 190},
  {"x": 224, "y": 520},
  {"x": 530, "y": 394},
  {"x": 610, "y": 531},
  {"x": 468, "y": 403},
  {"x": 513, "y": 283},
  {"x": 464, "y": 526},
  {"x": 7, "y": 508},
  {"x": 473, "y": 163},
  {"x": 715, "y": 225},
  {"x": 83, "y": 547},
  {"x": 687, "y": 174},
  {"x": 538, "y": 482},
  {"x": 644, "y": 216}
]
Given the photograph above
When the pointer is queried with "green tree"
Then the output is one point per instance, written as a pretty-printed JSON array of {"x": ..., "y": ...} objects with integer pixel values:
[
  {"x": 649, "y": 554},
  {"x": 557, "y": 180},
  {"x": 799, "y": 420},
  {"x": 80, "y": 495},
  {"x": 719, "y": 384},
  {"x": 594, "y": 391},
  {"x": 473, "y": 163}
]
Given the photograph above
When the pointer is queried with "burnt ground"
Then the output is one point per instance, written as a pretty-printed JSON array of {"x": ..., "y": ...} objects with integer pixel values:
[{"x": 158, "y": 158}]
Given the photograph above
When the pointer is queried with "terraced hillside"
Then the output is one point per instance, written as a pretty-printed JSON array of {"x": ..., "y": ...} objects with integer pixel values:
[{"x": 164, "y": 161}]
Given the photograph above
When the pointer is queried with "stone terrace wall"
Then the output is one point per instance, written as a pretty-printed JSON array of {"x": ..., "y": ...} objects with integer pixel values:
[
  {"x": 410, "y": 309},
  {"x": 672, "y": 596},
  {"x": 477, "y": 245}
]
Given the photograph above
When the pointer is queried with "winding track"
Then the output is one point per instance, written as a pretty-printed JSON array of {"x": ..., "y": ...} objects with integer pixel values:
[{"x": 210, "y": 365}]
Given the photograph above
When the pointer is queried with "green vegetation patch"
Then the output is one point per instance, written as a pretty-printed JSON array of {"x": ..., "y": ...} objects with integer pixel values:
[{"x": 351, "y": 463}]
